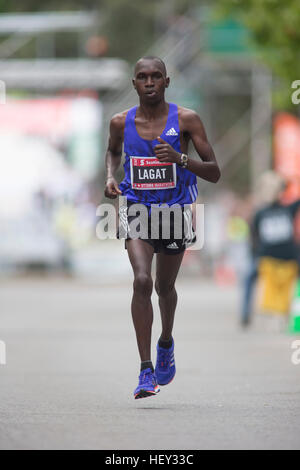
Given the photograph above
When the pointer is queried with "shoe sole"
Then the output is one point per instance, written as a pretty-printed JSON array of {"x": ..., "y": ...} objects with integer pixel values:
[{"x": 145, "y": 393}]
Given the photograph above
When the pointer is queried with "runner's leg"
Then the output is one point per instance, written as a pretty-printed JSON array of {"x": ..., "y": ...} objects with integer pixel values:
[
  {"x": 167, "y": 267},
  {"x": 140, "y": 255}
]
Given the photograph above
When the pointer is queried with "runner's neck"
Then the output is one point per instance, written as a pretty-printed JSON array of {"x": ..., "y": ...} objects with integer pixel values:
[{"x": 152, "y": 112}]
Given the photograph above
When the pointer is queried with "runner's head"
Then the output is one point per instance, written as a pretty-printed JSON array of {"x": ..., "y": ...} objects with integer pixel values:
[{"x": 150, "y": 79}]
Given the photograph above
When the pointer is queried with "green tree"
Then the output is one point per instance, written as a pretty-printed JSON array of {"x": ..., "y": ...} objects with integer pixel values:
[{"x": 275, "y": 31}]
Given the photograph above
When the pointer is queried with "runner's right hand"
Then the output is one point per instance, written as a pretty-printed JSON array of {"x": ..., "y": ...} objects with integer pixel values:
[{"x": 112, "y": 188}]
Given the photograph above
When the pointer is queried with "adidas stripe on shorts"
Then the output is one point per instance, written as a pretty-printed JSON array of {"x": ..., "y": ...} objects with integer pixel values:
[{"x": 181, "y": 233}]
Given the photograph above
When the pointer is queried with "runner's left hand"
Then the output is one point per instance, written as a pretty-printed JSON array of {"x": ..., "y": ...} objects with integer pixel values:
[{"x": 164, "y": 152}]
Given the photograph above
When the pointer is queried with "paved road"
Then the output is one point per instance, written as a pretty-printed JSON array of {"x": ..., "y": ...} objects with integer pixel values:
[{"x": 72, "y": 366}]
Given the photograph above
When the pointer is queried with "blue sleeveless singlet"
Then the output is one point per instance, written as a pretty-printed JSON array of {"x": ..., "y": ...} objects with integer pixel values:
[{"x": 185, "y": 191}]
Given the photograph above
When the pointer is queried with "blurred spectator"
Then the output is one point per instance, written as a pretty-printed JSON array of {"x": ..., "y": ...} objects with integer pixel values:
[
  {"x": 96, "y": 46},
  {"x": 272, "y": 233}
]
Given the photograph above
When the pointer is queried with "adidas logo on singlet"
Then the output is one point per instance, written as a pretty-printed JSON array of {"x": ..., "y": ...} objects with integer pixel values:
[{"x": 171, "y": 131}]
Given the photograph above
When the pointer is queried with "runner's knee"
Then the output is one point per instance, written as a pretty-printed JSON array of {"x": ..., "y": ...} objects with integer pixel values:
[
  {"x": 163, "y": 288},
  {"x": 143, "y": 284}
]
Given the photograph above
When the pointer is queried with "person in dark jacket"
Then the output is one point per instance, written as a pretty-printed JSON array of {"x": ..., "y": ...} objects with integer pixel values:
[{"x": 272, "y": 233}]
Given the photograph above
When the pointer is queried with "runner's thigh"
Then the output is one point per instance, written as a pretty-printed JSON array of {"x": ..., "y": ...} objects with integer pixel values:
[{"x": 140, "y": 255}]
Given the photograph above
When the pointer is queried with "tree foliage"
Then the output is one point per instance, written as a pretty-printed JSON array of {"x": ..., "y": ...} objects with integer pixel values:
[{"x": 275, "y": 28}]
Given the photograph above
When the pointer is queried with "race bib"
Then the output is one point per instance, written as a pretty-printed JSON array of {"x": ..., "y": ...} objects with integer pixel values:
[{"x": 150, "y": 173}]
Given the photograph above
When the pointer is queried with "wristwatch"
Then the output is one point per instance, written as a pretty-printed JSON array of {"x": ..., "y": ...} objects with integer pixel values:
[{"x": 183, "y": 160}]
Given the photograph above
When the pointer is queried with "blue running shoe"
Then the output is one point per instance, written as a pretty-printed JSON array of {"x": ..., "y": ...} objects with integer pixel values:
[
  {"x": 165, "y": 369},
  {"x": 147, "y": 385}
]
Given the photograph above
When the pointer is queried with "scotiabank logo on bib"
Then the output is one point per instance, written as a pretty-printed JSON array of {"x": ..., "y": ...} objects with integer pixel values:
[{"x": 150, "y": 173}]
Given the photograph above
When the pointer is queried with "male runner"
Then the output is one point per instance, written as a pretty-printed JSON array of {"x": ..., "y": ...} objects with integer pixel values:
[{"x": 156, "y": 134}]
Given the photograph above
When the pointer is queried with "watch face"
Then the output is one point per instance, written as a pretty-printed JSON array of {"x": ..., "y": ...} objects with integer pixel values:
[{"x": 184, "y": 159}]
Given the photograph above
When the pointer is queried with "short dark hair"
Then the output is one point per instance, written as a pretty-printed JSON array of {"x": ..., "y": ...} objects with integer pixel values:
[{"x": 152, "y": 57}]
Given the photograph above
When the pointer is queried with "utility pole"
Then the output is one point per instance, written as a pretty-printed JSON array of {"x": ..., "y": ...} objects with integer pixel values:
[{"x": 261, "y": 122}]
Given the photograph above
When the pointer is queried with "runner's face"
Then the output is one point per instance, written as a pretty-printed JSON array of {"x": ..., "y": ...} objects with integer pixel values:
[{"x": 150, "y": 81}]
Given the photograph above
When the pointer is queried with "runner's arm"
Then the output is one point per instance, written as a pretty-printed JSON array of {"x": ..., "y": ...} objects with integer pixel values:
[
  {"x": 208, "y": 168},
  {"x": 113, "y": 156}
]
